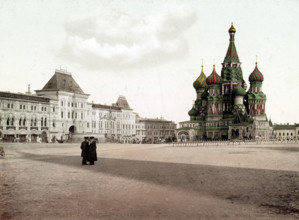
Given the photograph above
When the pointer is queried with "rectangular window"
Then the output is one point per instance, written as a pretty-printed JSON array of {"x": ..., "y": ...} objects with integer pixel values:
[
  {"x": 20, "y": 106},
  {"x": 61, "y": 114}
]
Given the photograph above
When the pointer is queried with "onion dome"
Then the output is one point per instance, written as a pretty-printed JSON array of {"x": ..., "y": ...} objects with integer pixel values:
[
  {"x": 200, "y": 82},
  {"x": 256, "y": 75},
  {"x": 214, "y": 78},
  {"x": 192, "y": 112},
  {"x": 232, "y": 29},
  {"x": 239, "y": 91}
]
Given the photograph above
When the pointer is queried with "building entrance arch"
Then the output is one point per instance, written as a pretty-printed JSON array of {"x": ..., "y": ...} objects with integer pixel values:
[
  {"x": 235, "y": 134},
  {"x": 72, "y": 129},
  {"x": 183, "y": 136}
]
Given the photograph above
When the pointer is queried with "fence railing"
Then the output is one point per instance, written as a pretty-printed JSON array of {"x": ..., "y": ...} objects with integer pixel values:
[{"x": 230, "y": 143}]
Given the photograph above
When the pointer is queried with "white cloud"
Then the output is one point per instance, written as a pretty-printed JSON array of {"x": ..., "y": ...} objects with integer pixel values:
[{"x": 111, "y": 39}]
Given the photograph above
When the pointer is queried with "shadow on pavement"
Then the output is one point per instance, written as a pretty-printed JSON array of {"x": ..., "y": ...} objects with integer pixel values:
[{"x": 278, "y": 190}]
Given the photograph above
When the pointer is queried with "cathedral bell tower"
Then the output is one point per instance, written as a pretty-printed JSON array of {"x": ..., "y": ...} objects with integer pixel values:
[{"x": 231, "y": 73}]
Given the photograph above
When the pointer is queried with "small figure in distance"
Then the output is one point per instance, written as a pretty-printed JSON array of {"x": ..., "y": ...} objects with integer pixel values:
[
  {"x": 92, "y": 154},
  {"x": 84, "y": 150}
]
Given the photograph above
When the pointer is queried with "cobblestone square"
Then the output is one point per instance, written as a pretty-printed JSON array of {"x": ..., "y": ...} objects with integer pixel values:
[{"x": 47, "y": 181}]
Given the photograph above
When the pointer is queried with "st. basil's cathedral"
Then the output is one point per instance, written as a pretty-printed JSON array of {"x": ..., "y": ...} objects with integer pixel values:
[{"x": 223, "y": 109}]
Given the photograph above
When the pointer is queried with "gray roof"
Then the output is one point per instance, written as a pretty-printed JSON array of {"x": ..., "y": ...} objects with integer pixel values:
[
  {"x": 62, "y": 82},
  {"x": 23, "y": 97},
  {"x": 122, "y": 103}
]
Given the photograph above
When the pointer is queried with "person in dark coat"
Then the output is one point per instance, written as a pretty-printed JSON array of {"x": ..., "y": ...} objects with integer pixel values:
[
  {"x": 84, "y": 150},
  {"x": 92, "y": 154}
]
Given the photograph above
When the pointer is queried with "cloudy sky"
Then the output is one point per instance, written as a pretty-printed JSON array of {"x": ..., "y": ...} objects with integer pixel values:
[{"x": 150, "y": 51}]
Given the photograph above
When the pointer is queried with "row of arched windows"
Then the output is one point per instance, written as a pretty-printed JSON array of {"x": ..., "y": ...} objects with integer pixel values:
[
  {"x": 287, "y": 133},
  {"x": 22, "y": 121}
]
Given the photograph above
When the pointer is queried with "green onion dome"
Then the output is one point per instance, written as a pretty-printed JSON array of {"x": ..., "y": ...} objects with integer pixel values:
[
  {"x": 192, "y": 112},
  {"x": 200, "y": 82},
  {"x": 239, "y": 91},
  {"x": 256, "y": 75},
  {"x": 214, "y": 78}
]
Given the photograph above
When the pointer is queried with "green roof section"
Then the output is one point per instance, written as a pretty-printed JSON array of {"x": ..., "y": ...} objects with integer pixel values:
[
  {"x": 192, "y": 112},
  {"x": 239, "y": 91}
]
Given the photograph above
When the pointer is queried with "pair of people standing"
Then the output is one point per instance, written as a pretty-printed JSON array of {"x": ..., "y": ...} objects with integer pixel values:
[{"x": 89, "y": 151}]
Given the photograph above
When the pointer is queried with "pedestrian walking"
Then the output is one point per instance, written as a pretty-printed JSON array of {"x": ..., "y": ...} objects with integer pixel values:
[
  {"x": 92, "y": 154},
  {"x": 84, "y": 150}
]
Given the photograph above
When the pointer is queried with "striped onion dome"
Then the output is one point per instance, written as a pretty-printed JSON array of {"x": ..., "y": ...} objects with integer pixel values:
[
  {"x": 256, "y": 75},
  {"x": 200, "y": 82},
  {"x": 214, "y": 78}
]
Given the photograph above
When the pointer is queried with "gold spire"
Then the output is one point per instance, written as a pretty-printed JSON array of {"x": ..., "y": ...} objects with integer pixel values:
[
  {"x": 232, "y": 29},
  {"x": 256, "y": 60},
  {"x": 201, "y": 65},
  {"x": 213, "y": 64}
]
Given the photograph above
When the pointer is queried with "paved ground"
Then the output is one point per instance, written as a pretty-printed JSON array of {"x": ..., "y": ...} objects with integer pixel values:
[{"x": 47, "y": 181}]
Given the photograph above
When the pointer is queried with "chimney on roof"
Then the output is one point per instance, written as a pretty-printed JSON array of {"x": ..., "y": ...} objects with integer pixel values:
[{"x": 28, "y": 91}]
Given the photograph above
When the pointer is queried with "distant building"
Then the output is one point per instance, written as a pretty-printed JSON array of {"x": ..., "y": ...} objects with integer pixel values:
[
  {"x": 151, "y": 130},
  {"x": 223, "y": 109},
  {"x": 60, "y": 110},
  {"x": 286, "y": 132}
]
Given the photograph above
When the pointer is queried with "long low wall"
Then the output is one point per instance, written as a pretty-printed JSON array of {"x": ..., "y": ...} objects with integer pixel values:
[{"x": 230, "y": 143}]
